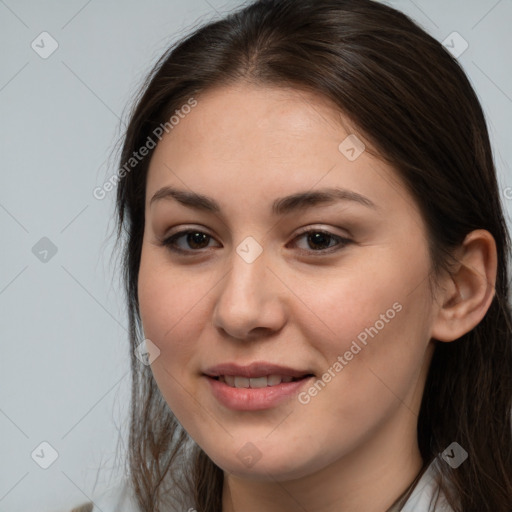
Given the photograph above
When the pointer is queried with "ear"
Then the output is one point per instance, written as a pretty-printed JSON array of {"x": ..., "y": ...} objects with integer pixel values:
[{"x": 469, "y": 290}]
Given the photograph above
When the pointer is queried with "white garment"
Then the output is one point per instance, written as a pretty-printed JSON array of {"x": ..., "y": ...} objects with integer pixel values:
[
  {"x": 424, "y": 493},
  {"x": 119, "y": 498}
]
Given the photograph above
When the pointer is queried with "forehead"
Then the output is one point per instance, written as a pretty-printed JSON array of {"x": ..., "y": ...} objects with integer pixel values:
[
  {"x": 253, "y": 144},
  {"x": 227, "y": 116}
]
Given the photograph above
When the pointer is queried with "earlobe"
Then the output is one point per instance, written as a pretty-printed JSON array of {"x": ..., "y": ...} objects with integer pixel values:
[{"x": 469, "y": 290}]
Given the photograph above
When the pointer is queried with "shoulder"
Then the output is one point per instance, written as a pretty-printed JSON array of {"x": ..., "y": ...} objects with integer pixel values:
[{"x": 426, "y": 496}]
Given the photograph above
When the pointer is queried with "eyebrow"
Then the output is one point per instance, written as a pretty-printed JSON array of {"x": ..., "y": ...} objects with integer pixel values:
[{"x": 281, "y": 206}]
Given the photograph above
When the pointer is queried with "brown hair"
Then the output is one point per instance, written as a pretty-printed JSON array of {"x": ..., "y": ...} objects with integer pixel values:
[{"x": 412, "y": 102}]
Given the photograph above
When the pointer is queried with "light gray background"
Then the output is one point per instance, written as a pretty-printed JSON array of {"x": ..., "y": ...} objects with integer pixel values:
[{"x": 64, "y": 360}]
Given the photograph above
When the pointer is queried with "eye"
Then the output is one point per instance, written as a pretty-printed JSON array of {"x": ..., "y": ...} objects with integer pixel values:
[
  {"x": 320, "y": 240},
  {"x": 196, "y": 240}
]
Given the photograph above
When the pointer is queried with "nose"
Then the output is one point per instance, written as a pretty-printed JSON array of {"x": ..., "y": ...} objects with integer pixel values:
[{"x": 249, "y": 302}]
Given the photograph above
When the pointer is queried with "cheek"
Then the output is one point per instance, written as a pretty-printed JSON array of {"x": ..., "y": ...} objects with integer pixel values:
[
  {"x": 163, "y": 306},
  {"x": 169, "y": 301},
  {"x": 342, "y": 309},
  {"x": 173, "y": 311},
  {"x": 166, "y": 310},
  {"x": 377, "y": 322}
]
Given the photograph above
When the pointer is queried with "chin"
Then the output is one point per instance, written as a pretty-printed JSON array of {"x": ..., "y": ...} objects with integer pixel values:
[{"x": 263, "y": 465}]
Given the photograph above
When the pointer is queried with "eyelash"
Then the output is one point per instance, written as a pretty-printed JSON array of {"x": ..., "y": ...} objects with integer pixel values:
[{"x": 170, "y": 242}]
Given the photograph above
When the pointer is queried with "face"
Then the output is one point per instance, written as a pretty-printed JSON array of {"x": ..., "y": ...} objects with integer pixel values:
[{"x": 330, "y": 294}]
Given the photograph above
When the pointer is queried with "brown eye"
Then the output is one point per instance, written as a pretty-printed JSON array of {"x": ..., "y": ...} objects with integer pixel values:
[
  {"x": 319, "y": 241},
  {"x": 195, "y": 240}
]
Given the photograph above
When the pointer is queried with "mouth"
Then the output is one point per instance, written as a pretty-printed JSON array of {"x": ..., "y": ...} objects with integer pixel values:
[
  {"x": 238, "y": 381},
  {"x": 256, "y": 386}
]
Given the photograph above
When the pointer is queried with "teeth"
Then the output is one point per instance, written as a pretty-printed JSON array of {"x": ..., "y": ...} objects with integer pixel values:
[
  {"x": 256, "y": 382},
  {"x": 241, "y": 382},
  {"x": 272, "y": 380}
]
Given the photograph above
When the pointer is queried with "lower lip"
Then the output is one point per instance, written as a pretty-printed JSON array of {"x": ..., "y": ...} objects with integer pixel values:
[{"x": 255, "y": 399}]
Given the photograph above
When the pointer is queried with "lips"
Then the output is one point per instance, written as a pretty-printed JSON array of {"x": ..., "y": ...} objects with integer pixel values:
[
  {"x": 256, "y": 370},
  {"x": 255, "y": 387}
]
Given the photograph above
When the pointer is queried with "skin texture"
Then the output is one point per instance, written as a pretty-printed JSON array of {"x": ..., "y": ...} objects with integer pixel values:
[{"x": 353, "y": 446}]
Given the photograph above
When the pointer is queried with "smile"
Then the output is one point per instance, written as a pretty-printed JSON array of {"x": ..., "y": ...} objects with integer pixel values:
[
  {"x": 256, "y": 382},
  {"x": 255, "y": 394}
]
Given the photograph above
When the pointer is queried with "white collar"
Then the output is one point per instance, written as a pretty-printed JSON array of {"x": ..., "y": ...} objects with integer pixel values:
[{"x": 423, "y": 496}]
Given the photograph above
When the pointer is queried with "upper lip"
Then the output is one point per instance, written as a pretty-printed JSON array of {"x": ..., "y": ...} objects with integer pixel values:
[{"x": 254, "y": 370}]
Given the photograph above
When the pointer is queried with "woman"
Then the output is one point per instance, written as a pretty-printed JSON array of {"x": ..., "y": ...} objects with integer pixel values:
[{"x": 315, "y": 259}]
